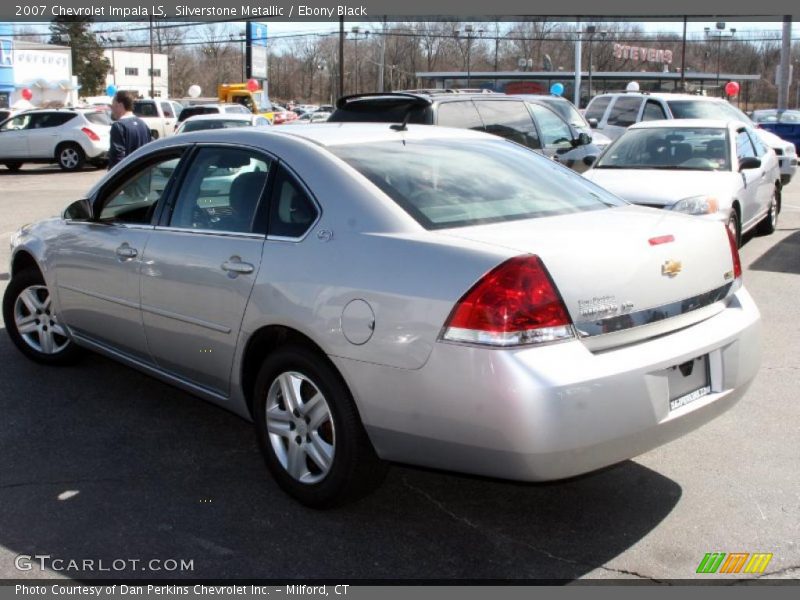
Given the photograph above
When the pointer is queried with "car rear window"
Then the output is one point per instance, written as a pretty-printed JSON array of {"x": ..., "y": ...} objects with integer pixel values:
[
  {"x": 214, "y": 124},
  {"x": 145, "y": 109},
  {"x": 98, "y": 118},
  {"x": 705, "y": 109},
  {"x": 191, "y": 111},
  {"x": 450, "y": 183},
  {"x": 381, "y": 111}
]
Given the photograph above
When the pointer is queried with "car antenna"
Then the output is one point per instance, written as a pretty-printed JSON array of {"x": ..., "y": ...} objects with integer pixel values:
[{"x": 401, "y": 126}]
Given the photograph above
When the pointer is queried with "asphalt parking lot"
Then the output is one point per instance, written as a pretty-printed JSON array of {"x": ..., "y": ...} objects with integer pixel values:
[{"x": 102, "y": 462}]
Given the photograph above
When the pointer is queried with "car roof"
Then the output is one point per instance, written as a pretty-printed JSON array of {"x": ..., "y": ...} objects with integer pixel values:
[
  {"x": 221, "y": 117},
  {"x": 686, "y": 123},
  {"x": 335, "y": 134},
  {"x": 664, "y": 96},
  {"x": 423, "y": 97}
]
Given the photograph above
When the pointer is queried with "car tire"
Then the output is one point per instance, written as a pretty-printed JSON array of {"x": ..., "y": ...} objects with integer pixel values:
[
  {"x": 33, "y": 332},
  {"x": 314, "y": 444},
  {"x": 70, "y": 157},
  {"x": 13, "y": 166},
  {"x": 734, "y": 226},
  {"x": 769, "y": 223}
]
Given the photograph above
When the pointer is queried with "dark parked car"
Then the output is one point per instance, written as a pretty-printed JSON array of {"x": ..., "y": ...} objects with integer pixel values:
[
  {"x": 783, "y": 123},
  {"x": 534, "y": 126}
]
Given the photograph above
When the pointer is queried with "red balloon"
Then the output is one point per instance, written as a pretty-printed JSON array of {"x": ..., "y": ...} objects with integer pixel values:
[
  {"x": 27, "y": 94},
  {"x": 731, "y": 88},
  {"x": 252, "y": 85}
]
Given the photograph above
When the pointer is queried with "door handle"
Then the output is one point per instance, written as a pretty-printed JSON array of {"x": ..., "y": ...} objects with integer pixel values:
[
  {"x": 125, "y": 251},
  {"x": 235, "y": 266}
]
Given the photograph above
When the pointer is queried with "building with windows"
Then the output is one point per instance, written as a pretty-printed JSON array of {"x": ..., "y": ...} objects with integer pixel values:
[{"x": 130, "y": 71}]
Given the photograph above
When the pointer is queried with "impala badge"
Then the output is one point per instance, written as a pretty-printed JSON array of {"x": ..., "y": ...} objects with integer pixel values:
[{"x": 671, "y": 268}]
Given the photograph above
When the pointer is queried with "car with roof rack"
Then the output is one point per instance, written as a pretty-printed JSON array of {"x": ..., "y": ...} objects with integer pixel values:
[
  {"x": 613, "y": 113},
  {"x": 532, "y": 125}
]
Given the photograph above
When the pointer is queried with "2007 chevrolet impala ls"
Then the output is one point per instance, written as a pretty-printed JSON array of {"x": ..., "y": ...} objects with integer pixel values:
[{"x": 371, "y": 293}]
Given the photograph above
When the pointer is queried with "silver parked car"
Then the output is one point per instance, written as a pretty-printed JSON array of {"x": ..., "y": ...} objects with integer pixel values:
[
  {"x": 715, "y": 169},
  {"x": 376, "y": 292}
]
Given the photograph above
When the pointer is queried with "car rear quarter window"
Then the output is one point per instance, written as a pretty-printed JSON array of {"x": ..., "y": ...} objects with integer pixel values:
[
  {"x": 450, "y": 183},
  {"x": 292, "y": 212},
  {"x": 509, "y": 120},
  {"x": 98, "y": 118},
  {"x": 462, "y": 115},
  {"x": 625, "y": 111},
  {"x": 145, "y": 109},
  {"x": 597, "y": 108}
]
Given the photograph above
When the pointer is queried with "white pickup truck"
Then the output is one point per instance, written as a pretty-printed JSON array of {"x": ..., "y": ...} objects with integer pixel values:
[{"x": 160, "y": 114}]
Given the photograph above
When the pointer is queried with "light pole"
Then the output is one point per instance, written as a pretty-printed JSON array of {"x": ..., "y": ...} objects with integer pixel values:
[
  {"x": 469, "y": 32},
  {"x": 592, "y": 30},
  {"x": 719, "y": 33},
  {"x": 242, "y": 38},
  {"x": 355, "y": 31}
]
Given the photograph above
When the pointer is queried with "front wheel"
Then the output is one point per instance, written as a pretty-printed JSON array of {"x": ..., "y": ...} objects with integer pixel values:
[
  {"x": 32, "y": 324},
  {"x": 70, "y": 157},
  {"x": 310, "y": 432},
  {"x": 769, "y": 223}
]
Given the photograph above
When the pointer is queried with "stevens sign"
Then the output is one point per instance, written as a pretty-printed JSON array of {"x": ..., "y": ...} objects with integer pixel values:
[{"x": 635, "y": 53}]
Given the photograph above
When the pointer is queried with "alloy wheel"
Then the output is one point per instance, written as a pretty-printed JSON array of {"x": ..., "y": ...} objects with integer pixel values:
[
  {"x": 300, "y": 427},
  {"x": 69, "y": 158},
  {"x": 36, "y": 322}
]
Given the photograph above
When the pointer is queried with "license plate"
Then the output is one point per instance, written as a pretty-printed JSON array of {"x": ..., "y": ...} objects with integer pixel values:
[{"x": 688, "y": 382}]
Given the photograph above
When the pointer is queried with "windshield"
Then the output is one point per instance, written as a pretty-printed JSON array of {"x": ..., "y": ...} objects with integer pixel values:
[
  {"x": 680, "y": 148},
  {"x": 566, "y": 111},
  {"x": 213, "y": 124},
  {"x": 447, "y": 183},
  {"x": 774, "y": 116},
  {"x": 262, "y": 102},
  {"x": 706, "y": 109}
]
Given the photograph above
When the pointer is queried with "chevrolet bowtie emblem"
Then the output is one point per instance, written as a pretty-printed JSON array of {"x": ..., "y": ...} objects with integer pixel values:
[{"x": 671, "y": 268}]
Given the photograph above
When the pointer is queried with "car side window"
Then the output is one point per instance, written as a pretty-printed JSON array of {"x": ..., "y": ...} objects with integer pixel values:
[
  {"x": 134, "y": 199},
  {"x": 222, "y": 190},
  {"x": 145, "y": 109},
  {"x": 291, "y": 212},
  {"x": 653, "y": 111},
  {"x": 625, "y": 111},
  {"x": 555, "y": 132},
  {"x": 744, "y": 147},
  {"x": 462, "y": 115},
  {"x": 510, "y": 120},
  {"x": 17, "y": 123},
  {"x": 597, "y": 108},
  {"x": 166, "y": 108},
  {"x": 759, "y": 146}
]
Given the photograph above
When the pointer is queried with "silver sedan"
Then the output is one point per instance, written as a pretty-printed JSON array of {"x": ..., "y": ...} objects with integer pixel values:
[
  {"x": 719, "y": 170},
  {"x": 373, "y": 293}
]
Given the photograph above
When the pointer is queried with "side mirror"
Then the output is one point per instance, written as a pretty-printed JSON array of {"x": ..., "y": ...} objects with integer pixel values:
[
  {"x": 80, "y": 210},
  {"x": 589, "y": 159},
  {"x": 592, "y": 123},
  {"x": 582, "y": 139},
  {"x": 749, "y": 162}
]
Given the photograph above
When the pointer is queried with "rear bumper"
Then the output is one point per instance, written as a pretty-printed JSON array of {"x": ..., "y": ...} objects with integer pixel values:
[
  {"x": 555, "y": 411},
  {"x": 788, "y": 166}
]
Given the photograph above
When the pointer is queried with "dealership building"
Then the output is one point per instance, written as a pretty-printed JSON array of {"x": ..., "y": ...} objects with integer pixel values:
[{"x": 130, "y": 71}]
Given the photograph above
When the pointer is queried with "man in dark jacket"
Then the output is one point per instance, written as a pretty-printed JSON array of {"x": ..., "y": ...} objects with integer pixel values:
[{"x": 128, "y": 132}]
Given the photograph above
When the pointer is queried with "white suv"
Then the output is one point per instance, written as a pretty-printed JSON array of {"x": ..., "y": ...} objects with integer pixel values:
[
  {"x": 614, "y": 113},
  {"x": 69, "y": 137}
]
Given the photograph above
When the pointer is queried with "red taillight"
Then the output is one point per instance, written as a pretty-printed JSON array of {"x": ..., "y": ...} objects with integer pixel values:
[
  {"x": 661, "y": 239},
  {"x": 91, "y": 134},
  {"x": 737, "y": 262},
  {"x": 515, "y": 303}
]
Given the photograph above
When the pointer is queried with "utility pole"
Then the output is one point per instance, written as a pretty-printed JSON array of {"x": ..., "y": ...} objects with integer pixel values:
[
  {"x": 683, "y": 57},
  {"x": 382, "y": 66},
  {"x": 341, "y": 56},
  {"x": 152, "y": 83},
  {"x": 578, "y": 54},
  {"x": 786, "y": 58}
]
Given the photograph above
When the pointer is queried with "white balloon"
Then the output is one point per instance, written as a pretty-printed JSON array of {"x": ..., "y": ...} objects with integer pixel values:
[
  {"x": 632, "y": 87},
  {"x": 195, "y": 91}
]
